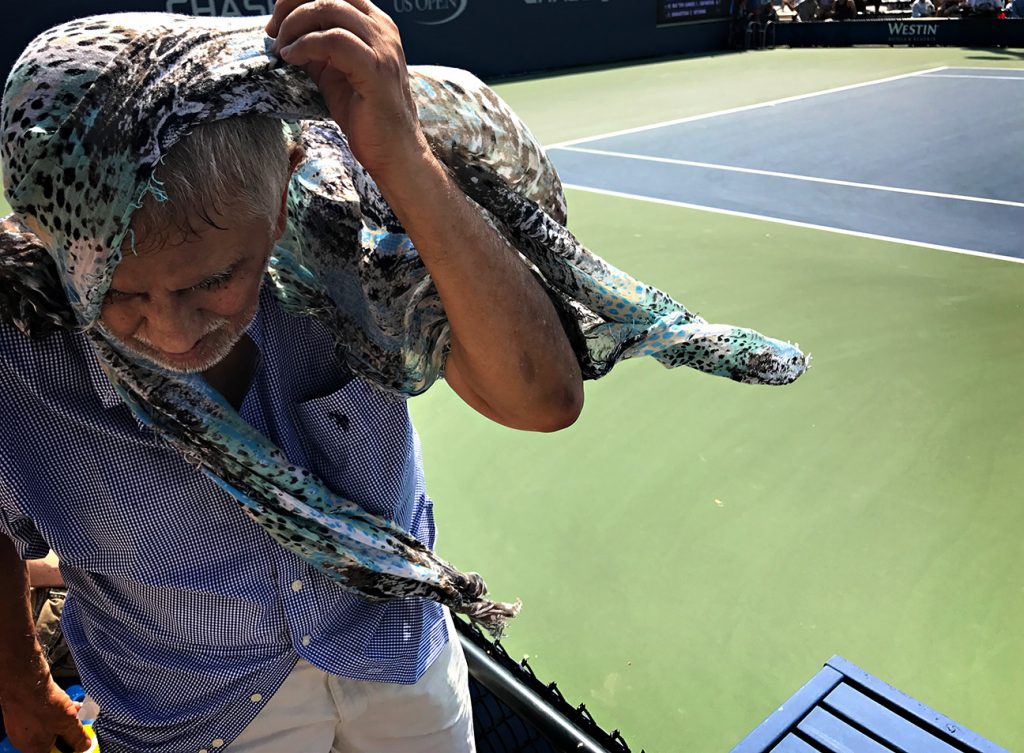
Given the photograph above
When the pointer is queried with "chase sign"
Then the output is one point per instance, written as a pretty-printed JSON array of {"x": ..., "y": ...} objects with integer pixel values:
[{"x": 221, "y": 7}]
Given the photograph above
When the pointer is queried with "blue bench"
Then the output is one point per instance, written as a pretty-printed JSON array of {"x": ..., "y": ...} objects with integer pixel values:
[{"x": 843, "y": 709}]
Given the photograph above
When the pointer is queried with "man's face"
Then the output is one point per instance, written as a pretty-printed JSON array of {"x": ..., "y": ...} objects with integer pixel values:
[{"x": 186, "y": 305}]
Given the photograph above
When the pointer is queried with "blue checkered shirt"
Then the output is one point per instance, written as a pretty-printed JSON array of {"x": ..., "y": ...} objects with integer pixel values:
[{"x": 183, "y": 616}]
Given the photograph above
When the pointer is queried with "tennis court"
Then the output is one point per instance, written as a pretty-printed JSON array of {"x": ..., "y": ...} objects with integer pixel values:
[
  {"x": 692, "y": 550},
  {"x": 915, "y": 174}
]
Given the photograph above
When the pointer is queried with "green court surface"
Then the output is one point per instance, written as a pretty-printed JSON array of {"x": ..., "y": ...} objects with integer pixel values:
[{"x": 692, "y": 550}]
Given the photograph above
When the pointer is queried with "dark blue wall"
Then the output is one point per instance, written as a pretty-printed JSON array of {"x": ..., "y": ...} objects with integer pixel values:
[
  {"x": 489, "y": 37},
  {"x": 493, "y": 37},
  {"x": 956, "y": 32}
]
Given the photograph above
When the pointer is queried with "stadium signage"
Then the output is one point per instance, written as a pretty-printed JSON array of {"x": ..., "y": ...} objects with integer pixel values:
[
  {"x": 902, "y": 30},
  {"x": 430, "y": 12},
  {"x": 221, "y": 7}
]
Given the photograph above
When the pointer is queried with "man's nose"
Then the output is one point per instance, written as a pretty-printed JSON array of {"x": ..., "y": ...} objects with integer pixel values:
[{"x": 171, "y": 325}]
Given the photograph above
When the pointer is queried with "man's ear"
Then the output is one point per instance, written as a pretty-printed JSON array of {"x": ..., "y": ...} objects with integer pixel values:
[{"x": 294, "y": 160}]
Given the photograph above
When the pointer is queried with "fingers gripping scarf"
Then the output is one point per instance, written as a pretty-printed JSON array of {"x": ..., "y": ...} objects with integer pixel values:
[{"x": 93, "y": 105}]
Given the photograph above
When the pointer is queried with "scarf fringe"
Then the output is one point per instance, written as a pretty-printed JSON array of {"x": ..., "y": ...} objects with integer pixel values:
[{"x": 492, "y": 616}]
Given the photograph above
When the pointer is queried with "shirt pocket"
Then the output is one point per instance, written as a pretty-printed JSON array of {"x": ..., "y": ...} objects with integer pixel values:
[{"x": 359, "y": 441}]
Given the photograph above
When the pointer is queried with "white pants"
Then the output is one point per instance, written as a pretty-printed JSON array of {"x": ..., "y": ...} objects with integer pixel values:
[{"x": 316, "y": 712}]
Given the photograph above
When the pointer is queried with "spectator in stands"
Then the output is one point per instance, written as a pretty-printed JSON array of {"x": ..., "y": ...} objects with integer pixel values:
[
  {"x": 761, "y": 11},
  {"x": 737, "y": 24},
  {"x": 844, "y": 10},
  {"x": 837, "y": 10},
  {"x": 806, "y": 10},
  {"x": 747, "y": 13},
  {"x": 982, "y": 8},
  {"x": 766, "y": 12},
  {"x": 922, "y": 8}
]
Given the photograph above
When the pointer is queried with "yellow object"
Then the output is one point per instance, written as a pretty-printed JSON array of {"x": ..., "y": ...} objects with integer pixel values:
[{"x": 94, "y": 748}]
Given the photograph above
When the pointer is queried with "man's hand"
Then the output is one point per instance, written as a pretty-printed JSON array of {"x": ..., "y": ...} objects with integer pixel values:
[
  {"x": 36, "y": 719},
  {"x": 353, "y": 51},
  {"x": 36, "y": 710}
]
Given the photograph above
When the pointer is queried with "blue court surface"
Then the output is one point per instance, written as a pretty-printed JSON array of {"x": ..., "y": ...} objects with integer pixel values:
[{"x": 932, "y": 158}]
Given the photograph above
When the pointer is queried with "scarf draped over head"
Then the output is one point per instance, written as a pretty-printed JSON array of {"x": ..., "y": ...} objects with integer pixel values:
[{"x": 90, "y": 110}]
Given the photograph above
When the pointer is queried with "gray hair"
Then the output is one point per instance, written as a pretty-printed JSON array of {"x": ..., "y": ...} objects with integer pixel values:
[{"x": 234, "y": 167}]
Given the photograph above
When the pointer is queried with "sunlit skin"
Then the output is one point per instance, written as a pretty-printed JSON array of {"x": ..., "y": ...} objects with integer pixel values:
[{"x": 186, "y": 305}]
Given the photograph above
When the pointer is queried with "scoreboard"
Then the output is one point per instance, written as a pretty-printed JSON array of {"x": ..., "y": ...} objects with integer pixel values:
[{"x": 682, "y": 11}]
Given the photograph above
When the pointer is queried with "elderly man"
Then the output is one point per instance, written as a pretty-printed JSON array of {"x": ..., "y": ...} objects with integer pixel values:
[
  {"x": 210, "y": 321},
  {"x": 188, "y": 622}
]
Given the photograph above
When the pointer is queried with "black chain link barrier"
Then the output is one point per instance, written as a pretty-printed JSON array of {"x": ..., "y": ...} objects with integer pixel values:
[{"x": 514, "y": 712}]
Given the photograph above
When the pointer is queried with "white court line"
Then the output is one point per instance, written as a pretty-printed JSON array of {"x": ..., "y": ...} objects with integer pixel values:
[
  {"x": 982, "y": 68},
  {"x": 983, "y": 78},
  {"x": 793, "y": 176},
  {"x": 794, "y": 223},
  {"x": 743, "y": 108}
]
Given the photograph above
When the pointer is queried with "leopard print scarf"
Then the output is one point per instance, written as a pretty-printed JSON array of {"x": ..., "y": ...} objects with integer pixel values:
[{"x": 93, "y": 105}]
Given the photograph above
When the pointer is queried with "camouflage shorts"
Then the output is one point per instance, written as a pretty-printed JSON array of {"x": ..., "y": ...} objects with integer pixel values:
[{"x": 47, "y": 605}]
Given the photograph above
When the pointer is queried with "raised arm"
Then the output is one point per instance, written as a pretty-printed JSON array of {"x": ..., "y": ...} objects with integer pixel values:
[{"x": 509, "y": 358}]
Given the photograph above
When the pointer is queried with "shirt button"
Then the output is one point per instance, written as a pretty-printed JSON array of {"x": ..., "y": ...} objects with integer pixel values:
[
  {"x": 255, "y": 698},
  {"x": 204, "y": 750},
  {"x": 296, "y": 585},
  {"x": 306, "y": 640},
  {"x": 217, "y": 743}
]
